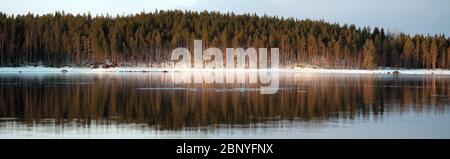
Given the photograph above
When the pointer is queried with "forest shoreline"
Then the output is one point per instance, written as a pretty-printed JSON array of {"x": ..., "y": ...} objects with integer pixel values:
[
  {"x": 42, "y": 69},
  {"x": 148, "y": 38}
]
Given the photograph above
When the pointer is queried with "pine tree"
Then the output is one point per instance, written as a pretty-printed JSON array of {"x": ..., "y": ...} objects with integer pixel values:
[
  {"x": 407, "y": 53},
  {"x": 417, "y": 53},
  {"x": 312, "y": 47},
  {"x": 369, "y": 61},
  {"x": 336, "y": 51},
  {"x": 448, "y": 58},
  {"x": 425, "y": 51},
  {"x": 433, "y": 54}
]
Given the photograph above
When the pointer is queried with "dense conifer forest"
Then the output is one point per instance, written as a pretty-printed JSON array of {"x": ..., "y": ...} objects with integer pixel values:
[{"x": 147, "y": 39}]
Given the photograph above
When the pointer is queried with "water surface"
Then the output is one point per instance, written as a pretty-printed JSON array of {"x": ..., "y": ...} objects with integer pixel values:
[{"x": 151, "y": 105}]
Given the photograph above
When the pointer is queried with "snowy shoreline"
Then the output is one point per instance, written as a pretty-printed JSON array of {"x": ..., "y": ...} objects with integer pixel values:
[{"x": 32, "y": 69}]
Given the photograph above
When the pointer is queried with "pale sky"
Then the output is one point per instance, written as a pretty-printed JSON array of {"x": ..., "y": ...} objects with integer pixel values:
[{"x": 410, "y": 16}]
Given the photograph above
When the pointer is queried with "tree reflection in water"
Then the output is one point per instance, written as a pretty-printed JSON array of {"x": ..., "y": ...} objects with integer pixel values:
[{"x": 155, "y": 100}]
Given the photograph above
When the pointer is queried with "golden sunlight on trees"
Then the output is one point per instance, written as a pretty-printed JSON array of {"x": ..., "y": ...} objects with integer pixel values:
[
  {"x": 147, "y": 39},
  {"x": 369, "y": 55}
]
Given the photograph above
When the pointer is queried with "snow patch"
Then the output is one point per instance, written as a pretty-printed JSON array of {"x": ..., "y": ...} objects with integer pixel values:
[{"x": 378, "y": 71}]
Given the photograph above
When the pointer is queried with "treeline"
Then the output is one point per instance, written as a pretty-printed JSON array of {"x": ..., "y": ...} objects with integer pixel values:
[{"x": 147, "y": 39}]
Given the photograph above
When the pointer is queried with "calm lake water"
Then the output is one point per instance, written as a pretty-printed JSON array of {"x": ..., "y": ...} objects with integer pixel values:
[{"x": 151, "y": 105}]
